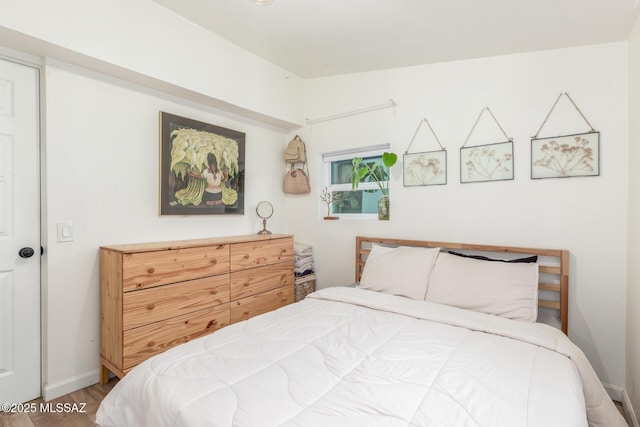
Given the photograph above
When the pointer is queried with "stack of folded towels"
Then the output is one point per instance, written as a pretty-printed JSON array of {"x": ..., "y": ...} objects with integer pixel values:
[{"x": 303, "y": 259}]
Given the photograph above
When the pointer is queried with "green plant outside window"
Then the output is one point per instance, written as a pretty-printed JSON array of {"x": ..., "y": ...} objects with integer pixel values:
[{"x": 364, "y": 200}]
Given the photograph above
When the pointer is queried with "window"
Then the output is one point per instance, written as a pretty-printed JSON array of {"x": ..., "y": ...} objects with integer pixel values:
[{"x": 362, "y": 203}]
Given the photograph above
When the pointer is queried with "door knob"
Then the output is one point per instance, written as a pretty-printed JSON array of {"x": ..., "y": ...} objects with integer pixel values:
[{"x": 26, "y": 252}]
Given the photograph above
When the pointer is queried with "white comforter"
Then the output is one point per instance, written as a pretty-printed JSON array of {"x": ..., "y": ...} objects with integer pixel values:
[{"x": 349, "y": 357}]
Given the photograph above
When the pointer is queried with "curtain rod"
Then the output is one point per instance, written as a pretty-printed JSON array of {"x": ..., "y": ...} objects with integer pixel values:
[{"x": 390, "y": 103}]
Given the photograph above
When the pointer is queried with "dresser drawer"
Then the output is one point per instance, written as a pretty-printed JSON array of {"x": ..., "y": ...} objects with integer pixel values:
[
  {"x": 147, "y": 269},
  {"x": 146, "y": 341},
  {"x": 260, "y": 279},
  {"x": 254, "y": 305},
  {"x": 162, "y": 302},
  {"x": 255, "y": 254}
]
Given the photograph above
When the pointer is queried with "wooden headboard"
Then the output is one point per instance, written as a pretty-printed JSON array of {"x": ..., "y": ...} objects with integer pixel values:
[{"x": 553, "y": 265}]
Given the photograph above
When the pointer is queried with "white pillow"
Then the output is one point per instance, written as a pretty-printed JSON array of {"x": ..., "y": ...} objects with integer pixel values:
[
  {"x": 400, "y": 271},
  {"x": 504, "y": 289}
]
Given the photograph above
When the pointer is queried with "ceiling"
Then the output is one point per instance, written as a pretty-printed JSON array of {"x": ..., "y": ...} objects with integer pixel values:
[{"x": 315, "y": 38}]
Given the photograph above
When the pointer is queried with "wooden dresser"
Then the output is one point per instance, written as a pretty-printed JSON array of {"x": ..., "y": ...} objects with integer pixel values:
[{"x": 154, "y": 296}]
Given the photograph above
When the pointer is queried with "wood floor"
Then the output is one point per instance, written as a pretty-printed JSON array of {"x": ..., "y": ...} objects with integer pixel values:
[{"x": 90, "y": 397}]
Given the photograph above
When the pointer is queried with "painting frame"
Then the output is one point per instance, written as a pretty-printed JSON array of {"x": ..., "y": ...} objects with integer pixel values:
[
  {"x": 483, "y": 165},
  {"x": 424, "y": 168},
  {"x": 204, "y": 174},
  {"x": 577, "y": 156}
]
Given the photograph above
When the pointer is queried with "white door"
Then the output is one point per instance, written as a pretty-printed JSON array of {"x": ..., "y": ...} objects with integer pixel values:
[{"x": 19, "y": 231}]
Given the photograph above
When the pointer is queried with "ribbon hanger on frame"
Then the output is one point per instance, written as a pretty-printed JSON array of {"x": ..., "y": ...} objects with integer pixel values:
[
  {"x": 424, "y": 120},
  {"x": 554, "y": 106},
  {"x": 476, "y": 123}
]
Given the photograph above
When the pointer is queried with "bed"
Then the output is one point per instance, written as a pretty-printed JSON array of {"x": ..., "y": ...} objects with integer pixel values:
[{"x": 435, "y": 334}]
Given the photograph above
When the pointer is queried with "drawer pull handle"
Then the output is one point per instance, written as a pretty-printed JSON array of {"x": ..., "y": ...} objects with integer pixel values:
[
  {"x": 214, "y": 261},
  {"x": 151, "y": 306},
  {"x": 150, "y": 270},
  {"x": 284, "y": 299},
  {"x": 246, "y": 256},
  {"x": 282, "y": 252},
  {"x": 246, "y": 284},
  {"x": 151, "y": 344},
  {"x": 212, "y": 323},
  {"x": 139, "y": 285},
  {"x": 246, "y": 313},
  {"x": 214, "y": 292}
]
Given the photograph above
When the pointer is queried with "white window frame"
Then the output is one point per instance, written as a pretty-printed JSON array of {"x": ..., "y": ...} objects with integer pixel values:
[{"x": 328, "y": 158}]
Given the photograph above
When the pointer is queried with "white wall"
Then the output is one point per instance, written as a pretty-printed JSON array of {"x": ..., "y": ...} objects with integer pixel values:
[
  {"x": 141, "y": 40},
  {"x": 102, "y": 148},
  {"x": 633, "y": 280},
  {"x": 584, "y": 215}
]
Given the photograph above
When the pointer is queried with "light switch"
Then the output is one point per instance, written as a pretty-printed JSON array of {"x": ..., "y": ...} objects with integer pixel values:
[{"x": 65, "y": 231}]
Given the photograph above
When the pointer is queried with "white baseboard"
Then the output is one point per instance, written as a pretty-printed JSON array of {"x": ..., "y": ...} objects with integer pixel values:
[
  {"x": 628, "y": 410},
  {"x": 55, "y": 390},
  {"x": 614, "y": 391}
]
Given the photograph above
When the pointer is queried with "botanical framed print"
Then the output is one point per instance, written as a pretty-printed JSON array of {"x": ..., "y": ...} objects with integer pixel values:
[
  {"x": 202, "y": 168},
  {"x": 491, "y": 162},
  {"x": 427, "y": 168},
  {"x": 566, "y": 156}
]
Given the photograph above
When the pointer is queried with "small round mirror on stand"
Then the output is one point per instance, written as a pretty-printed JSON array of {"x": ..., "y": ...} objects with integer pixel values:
[{"x": 264, "y": 211}]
